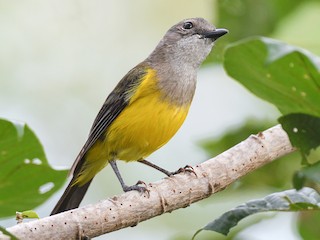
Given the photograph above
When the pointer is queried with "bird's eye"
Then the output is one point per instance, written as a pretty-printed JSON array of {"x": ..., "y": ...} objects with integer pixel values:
[{"x": 187, "y": 25}]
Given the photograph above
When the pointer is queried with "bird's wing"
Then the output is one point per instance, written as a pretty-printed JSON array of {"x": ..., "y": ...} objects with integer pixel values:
[{"x": 112, "y": 107}]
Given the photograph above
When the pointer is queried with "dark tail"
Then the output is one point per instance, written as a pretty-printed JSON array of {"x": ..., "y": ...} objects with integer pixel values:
[{"x": 71, "y": 197}]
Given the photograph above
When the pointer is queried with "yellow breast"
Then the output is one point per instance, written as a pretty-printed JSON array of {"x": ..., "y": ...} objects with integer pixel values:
[{"x": 146, "y": 124}]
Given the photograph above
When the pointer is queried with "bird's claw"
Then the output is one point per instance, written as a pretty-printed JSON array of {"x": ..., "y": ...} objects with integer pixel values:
[
  {"x": 187, "y": 168},
  {"x": 138, "y": 188}
]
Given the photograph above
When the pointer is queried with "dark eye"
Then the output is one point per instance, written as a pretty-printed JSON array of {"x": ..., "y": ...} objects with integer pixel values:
[{"x": 187, "y": 25}]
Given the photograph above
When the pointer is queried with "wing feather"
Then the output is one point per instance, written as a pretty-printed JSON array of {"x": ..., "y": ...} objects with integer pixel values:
[{"x": 115, "y": 103}]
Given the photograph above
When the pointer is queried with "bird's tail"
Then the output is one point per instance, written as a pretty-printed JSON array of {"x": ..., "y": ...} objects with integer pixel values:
[{"x": 71, "y": 197}]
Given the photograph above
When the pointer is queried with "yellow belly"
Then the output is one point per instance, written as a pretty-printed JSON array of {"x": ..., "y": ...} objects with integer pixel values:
[
  {"x": 144, "y": 127},
  {"x": 146, "y": 124}
]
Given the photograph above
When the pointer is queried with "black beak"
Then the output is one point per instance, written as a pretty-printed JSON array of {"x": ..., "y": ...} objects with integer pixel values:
[{"x": 219, "y": 32}]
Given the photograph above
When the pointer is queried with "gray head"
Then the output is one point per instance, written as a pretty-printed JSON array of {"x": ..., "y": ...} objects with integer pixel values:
[
  {"x": 188, "y": 42},
  {"x": 178, "y": 56}
]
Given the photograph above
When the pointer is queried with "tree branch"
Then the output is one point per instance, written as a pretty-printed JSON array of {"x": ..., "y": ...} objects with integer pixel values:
[{"x": 166, "y": 195}]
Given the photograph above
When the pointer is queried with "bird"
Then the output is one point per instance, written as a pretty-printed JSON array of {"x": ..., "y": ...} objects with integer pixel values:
[{"x": 145, "y": 109}]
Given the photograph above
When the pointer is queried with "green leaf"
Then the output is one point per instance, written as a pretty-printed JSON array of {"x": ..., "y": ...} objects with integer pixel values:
[
  {"x": 26, "y": 179},
  {"x": 303, "y": 131},
  {"x": 290, "y": 200},
  {"x": 5, "y": 232},
  {"x": 283, "y": 75},
  {"x": 27, "y": 214}
]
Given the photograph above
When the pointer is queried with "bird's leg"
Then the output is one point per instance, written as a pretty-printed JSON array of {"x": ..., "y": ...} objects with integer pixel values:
[
  {"x": 187, "y": 168},
  {"x": 166, "y": 172},
  {"x": 123, "y": 185}
]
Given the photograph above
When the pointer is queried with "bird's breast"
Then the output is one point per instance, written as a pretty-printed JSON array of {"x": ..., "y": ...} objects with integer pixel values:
[{"x": 148, "y": 122}]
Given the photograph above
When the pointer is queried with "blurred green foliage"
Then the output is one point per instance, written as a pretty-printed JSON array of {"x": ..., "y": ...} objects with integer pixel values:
[
  {"x": 308, "y": 176},
  {"x": 288, "y": 20},
  {"x": 243, "y": 18},
  {"x": 234, "y": 136},
  {"x": 308, "y": 225},
  {"x": 260, "y": 178},
  {"x": 246, "y": 18}
]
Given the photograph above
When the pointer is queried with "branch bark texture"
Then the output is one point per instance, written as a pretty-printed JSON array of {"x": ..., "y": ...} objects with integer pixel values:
[{"x": 166, "y": 195}]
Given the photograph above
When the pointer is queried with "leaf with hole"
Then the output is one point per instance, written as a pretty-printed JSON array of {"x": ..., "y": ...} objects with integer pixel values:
[{"x": 26, "y": 179}]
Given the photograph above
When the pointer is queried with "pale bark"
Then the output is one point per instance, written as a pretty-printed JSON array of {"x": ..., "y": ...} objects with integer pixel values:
[{"x": 166, "y": 195}]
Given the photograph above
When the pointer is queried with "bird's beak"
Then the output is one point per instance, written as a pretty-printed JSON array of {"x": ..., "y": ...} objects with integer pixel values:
[{"x": 219, "y": 32}]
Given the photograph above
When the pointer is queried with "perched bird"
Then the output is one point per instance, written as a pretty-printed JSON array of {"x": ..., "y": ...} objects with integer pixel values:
[{"x": 145, "y": 109}]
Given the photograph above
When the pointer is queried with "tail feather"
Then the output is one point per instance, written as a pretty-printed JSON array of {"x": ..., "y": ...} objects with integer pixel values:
[{"x": 71, "y": 197}]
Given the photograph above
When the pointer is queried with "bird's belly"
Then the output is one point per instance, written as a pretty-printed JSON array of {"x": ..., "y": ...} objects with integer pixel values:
[{"x": 143, "y": 127}]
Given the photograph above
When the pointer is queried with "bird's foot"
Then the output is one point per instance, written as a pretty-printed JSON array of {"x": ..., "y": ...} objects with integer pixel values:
[
  {"x": 136, "y": 187},
  {"x": 187, "y": 168}
]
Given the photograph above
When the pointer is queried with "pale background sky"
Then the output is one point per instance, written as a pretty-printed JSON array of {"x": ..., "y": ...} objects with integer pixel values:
[{"x": 60, "y": 59}]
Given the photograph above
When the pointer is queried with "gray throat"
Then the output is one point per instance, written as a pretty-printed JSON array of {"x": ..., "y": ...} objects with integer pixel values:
[{"x": 177, "y": 77}]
